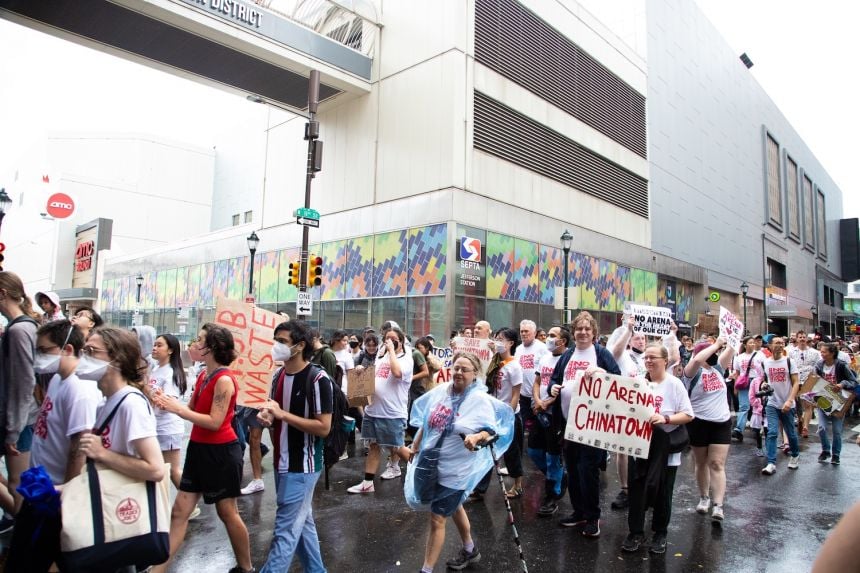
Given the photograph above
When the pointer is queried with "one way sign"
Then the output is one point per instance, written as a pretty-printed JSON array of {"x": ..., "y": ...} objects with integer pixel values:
[{"x": 304, "y": 304}]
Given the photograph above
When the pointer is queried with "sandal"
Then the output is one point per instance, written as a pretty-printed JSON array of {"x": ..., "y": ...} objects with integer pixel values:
[{"x": 515, "y": 493}]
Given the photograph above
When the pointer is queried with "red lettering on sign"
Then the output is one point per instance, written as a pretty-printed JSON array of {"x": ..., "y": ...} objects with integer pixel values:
[{"x": 228, "y": 319}]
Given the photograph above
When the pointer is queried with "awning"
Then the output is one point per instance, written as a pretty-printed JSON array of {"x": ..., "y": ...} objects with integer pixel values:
[
  {"x": 788, "y": 311},
  {"x": 68, "y": 294}
]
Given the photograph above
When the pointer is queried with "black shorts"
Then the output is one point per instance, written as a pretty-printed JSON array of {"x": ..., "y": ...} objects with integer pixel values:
[
  {"x": 704, "y": 433},
  {"x": 215, "y": 470}
]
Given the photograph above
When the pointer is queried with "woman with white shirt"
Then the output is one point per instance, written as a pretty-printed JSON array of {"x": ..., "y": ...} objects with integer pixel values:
[
  {"x": 168, "y": 378},
  {"x": 673, "y": 408},
  {"x": 505, "y": 380},
  {"x": 747, "y": 365},
  {"x": 837, "y": 373},
  {"x": 342, "y": 352},
  {"x": 710, "y": 433}
]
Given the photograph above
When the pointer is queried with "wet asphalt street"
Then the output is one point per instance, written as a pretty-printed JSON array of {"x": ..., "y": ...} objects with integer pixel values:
[{"x": 774, "y": 523}]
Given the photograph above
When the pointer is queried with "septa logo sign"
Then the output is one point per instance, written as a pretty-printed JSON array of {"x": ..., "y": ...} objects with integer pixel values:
[{"x": 470, "y": 249}]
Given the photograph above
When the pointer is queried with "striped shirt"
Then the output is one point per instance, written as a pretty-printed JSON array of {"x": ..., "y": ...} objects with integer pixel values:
[{"x": 301, "y": 452}]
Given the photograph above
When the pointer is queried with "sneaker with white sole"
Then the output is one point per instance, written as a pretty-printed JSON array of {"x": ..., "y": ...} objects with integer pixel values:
[
  {"x": 391, "y": 472},
  {"x": 363, "y": 487},
  {"x": 769, "y": 469},
  {"x": 704, "y": 505},
  {"x": 503, "y": 471},
  {"x": 717, "y": 515},
  {"x": 195, "y": 513},
  {"x": 255, "y": 486},
  {"x": 793, "y": 462}
]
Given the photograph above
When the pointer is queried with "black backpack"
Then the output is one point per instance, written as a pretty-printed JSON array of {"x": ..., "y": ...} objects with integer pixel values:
[{"x": 335, "y": 441}]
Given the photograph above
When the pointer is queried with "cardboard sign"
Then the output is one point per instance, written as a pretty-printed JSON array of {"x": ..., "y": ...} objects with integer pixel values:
[
  {"x": 833, "y": 400},
  {"x": 360, "y": 384},
  {"x": 731, "y": 328},
  {"x": 480, "y": 347},
  {"x": 650, "y": 320},
  {"x": 611, "y": 413},
  {"x": 444, "y": 373},
  {"x": 252, "y": 329},
  {"x": 706, "y": 324}
]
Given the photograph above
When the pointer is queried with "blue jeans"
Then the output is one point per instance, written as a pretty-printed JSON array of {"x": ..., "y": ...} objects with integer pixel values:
[
  {"x": 823, "y": 421},
  {"x": 295, "y": 530},
  {"x": 743, "y": 409},
  {"x": 774, "y": 417}
]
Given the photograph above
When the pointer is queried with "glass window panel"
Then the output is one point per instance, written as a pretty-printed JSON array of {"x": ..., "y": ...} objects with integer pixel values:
[
  {"x": 821, "y": 230},
  {"x": 774, "y": 205},
  {"x": 468, "y": 310},
  {"x": 808, "y": 214},
  {"x": 388, "y": 309},
  {"x": 330, "y": 317},
  {"x": 426, "y": 315},
  {"x": 500, "y": 313},
  {"x": 793, "y": 207},
  {"x": 356, "y": 314}
]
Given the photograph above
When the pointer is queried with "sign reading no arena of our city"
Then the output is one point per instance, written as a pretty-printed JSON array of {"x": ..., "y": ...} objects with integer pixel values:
[{"x": 650, "y": 320}]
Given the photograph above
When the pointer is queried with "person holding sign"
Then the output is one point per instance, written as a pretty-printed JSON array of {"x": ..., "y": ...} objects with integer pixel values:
[
  {"x": 805, "y": 358},
  {"x": 385, "y": 419},
  {"x": 672, "y": 409},
  {"x": 835, "y": 372},
  {"x": 583, "y": 462},
  {"x": 213, "y": 460},
  {"x": 711, "y": 431}
]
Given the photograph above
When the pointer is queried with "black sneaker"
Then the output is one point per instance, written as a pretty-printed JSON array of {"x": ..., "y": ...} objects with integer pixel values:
[
  {"x": 572, "y": 521},
  {"x": 238, "y": 569},
  {"x": 823, "y": 457},
  {"x": 658, "y": 544},
  {"x": 621, "y": 500},
  {"x": 834, "y": 460},
  {"x": 592, "y": 529},
  {"x": 464, "y": 559},
  {"x": 632, "y": 542},
  {"x": 7, "y": 523},
  {"x": 737, "y": 436},
  {"x": 548, "y": 508}
]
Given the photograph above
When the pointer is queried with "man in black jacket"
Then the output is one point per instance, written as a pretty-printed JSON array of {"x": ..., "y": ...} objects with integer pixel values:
[{"x": 583, "y": 462}]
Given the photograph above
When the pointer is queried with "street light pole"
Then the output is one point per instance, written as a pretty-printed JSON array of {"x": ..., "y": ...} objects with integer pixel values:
[
  {"x": 566, "y": 240},
  {"x": 139, "y": 280},
  {"x": 744, "y": 290},
  {"x": 253, "y": 242},
  {"x": 312, "y": 133},
  {"x": 5, "y": 203}
]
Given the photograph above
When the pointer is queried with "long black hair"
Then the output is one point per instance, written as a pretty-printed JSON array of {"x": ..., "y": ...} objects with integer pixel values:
[{"x": 175, "y": 362}]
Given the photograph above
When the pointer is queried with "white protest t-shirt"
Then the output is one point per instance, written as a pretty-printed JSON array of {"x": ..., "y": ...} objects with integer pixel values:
[
  {"x": 805, "y": 360},
  {"x": 741, "y": 361},
  {"x": 709, "y": 395},
  {"x": 391, "y": 394},
  {"x": 631, "y": 364},
  {"x": 507, "y": 378},
  {"x": 779, "y": 378},
  {"x": 670, "y": 397},
  {"x": 346, "y": 361},
  {"x": 545, "y": 368},
  {"x": 133, "y": 420},
  {"x": 529, "y": 358},
  {"x": 830, "y": 373},
  {"x": 579, "y": 360},
  {"x": 69, "y": 407},
  {"x": 166, "y": 423}
]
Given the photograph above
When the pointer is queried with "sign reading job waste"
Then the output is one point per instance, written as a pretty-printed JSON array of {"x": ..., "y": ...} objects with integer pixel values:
[
  {"x": 252, "y": 329},
  {"x": 611, "y": 413},
  {"x": 650, "y": 320},
  {"x": 731, "y": 328}
]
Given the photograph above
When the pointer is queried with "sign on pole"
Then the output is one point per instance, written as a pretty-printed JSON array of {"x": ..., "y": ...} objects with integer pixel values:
[
  {"x": 304, "y": 304},
  {"x": 612, "y": 413},
  {"x": 731, "y": 328},
  {"x": 650, "y": 320}
]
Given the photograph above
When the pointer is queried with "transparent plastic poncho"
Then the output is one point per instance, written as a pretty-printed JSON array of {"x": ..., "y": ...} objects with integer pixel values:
[{"x": 443, "y": 464}]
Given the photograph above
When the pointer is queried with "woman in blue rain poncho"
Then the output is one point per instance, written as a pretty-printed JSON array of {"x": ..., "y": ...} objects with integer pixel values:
[{"x": 455, "y": 419}]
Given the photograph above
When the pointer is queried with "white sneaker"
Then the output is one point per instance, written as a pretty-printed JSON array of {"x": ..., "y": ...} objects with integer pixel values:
[
  {"x": 717, "y": 513},
  {"x": 363, "y": 487},
  {"x": 769, "y": 469},
  {"x": 391, "y": 472},
  {"x": 503, "y": 471},
  {"x": 343, "y": 456},
  {"x": 793, "y": 462},
  {"x": 195, "y": 513},
  {"x": 255, "y": 486},
  {"x": 704, "y": 505}
]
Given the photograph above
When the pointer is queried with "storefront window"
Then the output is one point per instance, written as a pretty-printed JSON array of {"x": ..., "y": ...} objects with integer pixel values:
[
  {"x": 330, "y": 317},
  {"x": 356, "y": 314},
  {"x": 468, "y": 310},
  {"x": 426, "y": 315},
  {"x": 500, "y": 313},
  {"x": 388, "y": 309}
]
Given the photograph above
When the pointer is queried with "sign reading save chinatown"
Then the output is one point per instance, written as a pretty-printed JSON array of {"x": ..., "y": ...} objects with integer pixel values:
[
  {"x": 611, "y": 413},
  {"x": 252, "y": 329}
]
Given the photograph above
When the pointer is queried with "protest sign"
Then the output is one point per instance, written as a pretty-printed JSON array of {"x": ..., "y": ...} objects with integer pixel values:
[
  {"x": 833, "y": 400},
  {"x": 444, "y": 355},
  {"x": 706, "y": 324},
  {"x": 611, "y": 413},
  {"x": 252, "y": 329},
  {"x": 731, "y": 328},
  {"x": 360, "y": 385},
  {"x": 480, "y": 347},
  {"x": 650, "y": 320}
]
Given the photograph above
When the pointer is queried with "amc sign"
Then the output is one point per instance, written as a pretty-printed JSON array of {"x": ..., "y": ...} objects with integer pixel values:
[
  {"x": 84, "y": 256},
  {"x": 60, "y": 206}
]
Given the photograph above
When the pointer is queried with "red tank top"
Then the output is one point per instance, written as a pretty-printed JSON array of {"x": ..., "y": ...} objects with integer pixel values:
[{"x": 204, "y": 392}]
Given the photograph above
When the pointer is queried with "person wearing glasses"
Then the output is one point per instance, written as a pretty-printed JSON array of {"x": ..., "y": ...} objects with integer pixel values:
[
  {"x": 213, "y": 460},
  {"x": 86, "y": 319},
  {"x": 454, "y": 420}
]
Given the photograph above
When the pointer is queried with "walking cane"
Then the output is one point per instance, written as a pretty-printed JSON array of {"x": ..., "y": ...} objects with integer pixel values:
[{"x": 504, "y": 496}]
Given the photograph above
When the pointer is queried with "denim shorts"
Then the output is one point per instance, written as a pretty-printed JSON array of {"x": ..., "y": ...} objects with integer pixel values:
[
  {"x": 170, "y": 442},
  {"x": 25, "y": 439},
  {"x": 384, "y": 431},
  {"x": 446, "y": 501}
]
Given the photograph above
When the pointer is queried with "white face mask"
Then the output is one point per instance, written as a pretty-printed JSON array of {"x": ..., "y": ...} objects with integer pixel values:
[
  {"x": 46, "y": 363},
  {"x": 500, "y": 347},
  {"x": 551, "y": 344},
  {"x": 90, "y": 368},
  {"x": 281, "y": 352}
]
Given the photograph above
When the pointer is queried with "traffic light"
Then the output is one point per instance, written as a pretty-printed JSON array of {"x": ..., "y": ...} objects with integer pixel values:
[
  {"x": 314, "y": 270},
  {"x": 2, "y": 255},
  {"x": 295, "y": 273}
]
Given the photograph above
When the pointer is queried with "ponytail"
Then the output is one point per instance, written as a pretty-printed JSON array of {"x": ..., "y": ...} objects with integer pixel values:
[{"x": 14, "y": 287}]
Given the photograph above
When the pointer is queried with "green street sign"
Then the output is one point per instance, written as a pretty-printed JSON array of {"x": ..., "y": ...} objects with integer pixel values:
[
  {"x": 714, "y": 296},
  {"x": 306, "y": 213}
]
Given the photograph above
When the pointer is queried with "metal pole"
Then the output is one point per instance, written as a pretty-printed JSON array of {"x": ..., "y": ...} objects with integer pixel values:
[
  {"x": 312, "y": 133},
  {"x": 564, "y": 320},
  {"x": 251, "y": 278},
  {"x": 138, "y": 294},
  {"x": 745, "y": 312}
]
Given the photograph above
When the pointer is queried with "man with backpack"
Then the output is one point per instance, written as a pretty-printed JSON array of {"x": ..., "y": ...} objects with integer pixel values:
[{"x": 299, "y": 415}]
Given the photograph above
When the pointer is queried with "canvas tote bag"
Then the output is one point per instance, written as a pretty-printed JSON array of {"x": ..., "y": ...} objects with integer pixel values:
[{"x": 111, "y": 520}]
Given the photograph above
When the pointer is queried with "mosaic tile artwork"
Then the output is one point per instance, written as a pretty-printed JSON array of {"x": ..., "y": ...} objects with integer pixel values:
[
  {"x": 170, "y": 288},
  {"x": 588, "y": 277},
  {"x": 221, "y": 280},
  {"x": 237, "y": 281},
  {"x": 390, "y": 258},
  {"x": 551, "y": 272},
  {"x": 684, "y": 301},
  {"x": 358, "y": 272},
  {"x": 643, "y": 286},
  {"x": 428, "y": 256},
  {"x": 622, "y": 287},
  {"x": 191, "y": 294},
  {"x": 149, "y": 290},
  {"x": 286, "y": 291},
  {"x": 334, "y": 269},
  {"x": 524, "y": 281},
  {"x": 267, "y": 281},
  {"x": 500, "y": 266},
  {"x": 181, "y": 286},
  {"x": 205, "y": 296}
]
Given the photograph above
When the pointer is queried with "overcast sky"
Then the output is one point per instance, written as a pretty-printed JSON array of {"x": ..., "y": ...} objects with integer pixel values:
[{"x": 804, "y": 54}]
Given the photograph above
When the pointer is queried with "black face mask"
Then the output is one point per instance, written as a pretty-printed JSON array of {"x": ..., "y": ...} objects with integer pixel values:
[
  {"x": 712, "y": 360},
  {"x": 636, "y": 350},
  {"x": 353, "y": 344}
]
